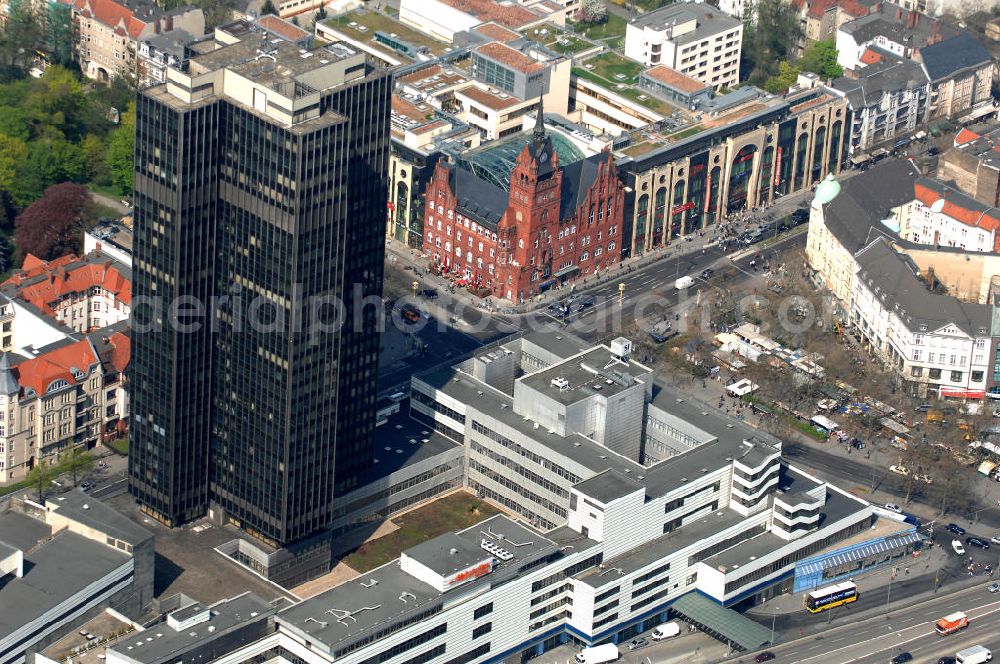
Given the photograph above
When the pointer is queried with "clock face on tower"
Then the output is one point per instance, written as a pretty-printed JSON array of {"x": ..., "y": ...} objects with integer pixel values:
[{"x": 543, "y": 157}]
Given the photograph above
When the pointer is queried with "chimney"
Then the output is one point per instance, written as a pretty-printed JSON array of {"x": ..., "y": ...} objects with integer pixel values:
[
  {"x": 170, "y": 22},
  {"x": 936, "y": 29},
  {"x": 911, "y": 19},
  {"x": 899, "y": 13},
  {"x": 156, "y": 27}
]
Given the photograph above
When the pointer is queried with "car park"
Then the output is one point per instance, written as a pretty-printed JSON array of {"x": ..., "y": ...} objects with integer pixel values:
[
  {"x": 955, "y": 528},
  {"x": 977, "y": 541},
  {"x": 893, "y": 507},
  {"x": 635, "y": 644}
]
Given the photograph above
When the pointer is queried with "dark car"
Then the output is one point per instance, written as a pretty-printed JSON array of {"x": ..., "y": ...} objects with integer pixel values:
[
  {"x": 955, "y": 528},
  {"x": 946, "y": 660},
  {"x": 584, "y": 302},
  {"x": 901, "y": 657},
  {"x": 932, "y": 152},
  {"x": 977, "y": 541},
  {"x": 800, "y": 216},
  {"x": 707, "y": 273},
  {"x": 87, "y": 486},
  {"x": 429, "y": 293},
  {"x": 764, "y": 657}
]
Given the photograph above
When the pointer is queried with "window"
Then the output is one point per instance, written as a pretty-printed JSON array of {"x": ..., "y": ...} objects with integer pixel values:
[
  {"x": 977, "y": 376},
  {"x": 916, "y": 355},
  {"x": 935, "y": 374},
  {"x": 956, "y": 376},
  {"x": 485, "y": 628},
  {"x": 485, "y": 609},
  {"x": 916, "y": 371}
]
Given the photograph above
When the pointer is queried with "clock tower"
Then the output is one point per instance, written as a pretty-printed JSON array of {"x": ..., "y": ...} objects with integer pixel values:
[{"x": 532, "y": 217}]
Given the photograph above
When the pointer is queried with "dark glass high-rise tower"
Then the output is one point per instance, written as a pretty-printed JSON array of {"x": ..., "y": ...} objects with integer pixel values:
[{"x": 259, "y": 222}]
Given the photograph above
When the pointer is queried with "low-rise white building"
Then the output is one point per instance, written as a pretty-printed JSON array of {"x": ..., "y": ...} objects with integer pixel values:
[{"x": 694, "y": 38}]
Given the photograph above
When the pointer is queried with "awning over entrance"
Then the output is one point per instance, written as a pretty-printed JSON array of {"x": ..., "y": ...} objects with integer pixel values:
[
  {"x": 722, "y": 623},
  {"x": 886, "y": 545},
  {"x": 569, "y": 269}
]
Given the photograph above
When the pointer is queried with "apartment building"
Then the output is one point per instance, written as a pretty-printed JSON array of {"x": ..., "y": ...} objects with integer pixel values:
[
  {"x": 820, "y": 19},
  {"x": 443, "y": 19},
  {"x": 888, "y": 98},
  {"x": 82, "y": 294},
  {"x": 108, "y": 32},
  {"x": 973, "y": 163},
  {"x": 912, "y": 264},
  {"x": 694, "y": 38},
  {"x": 938, "y": 345},
  {"x": 890, "y": 28},
  {"x": 156, "y": 53},
  {"x": 961, "y": 73}
]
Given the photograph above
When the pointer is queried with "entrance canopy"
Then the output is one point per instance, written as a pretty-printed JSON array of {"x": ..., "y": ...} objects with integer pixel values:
[{"x": 724, "y": 624}]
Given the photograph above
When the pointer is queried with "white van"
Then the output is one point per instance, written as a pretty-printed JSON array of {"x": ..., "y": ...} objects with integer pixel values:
[
  {"x": 973, "y": 655},
  {"x": 601, "y": 654},
  {"x": 670, "y": 630}
]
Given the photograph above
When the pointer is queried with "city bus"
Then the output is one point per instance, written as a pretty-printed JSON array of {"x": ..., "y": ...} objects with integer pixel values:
[{"x": 831, "y": 596}]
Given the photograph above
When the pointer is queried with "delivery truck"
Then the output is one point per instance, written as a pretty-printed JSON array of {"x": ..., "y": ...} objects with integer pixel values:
[
  {"x": 973, "y": 655},
  {"x": 683, "y": 283},
  {"x": 951, "y": 623},
  {"x": 607, "y": 652}
]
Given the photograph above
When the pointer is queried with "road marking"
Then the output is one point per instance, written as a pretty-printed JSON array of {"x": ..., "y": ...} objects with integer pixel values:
[{"x": 899, "y": 633}]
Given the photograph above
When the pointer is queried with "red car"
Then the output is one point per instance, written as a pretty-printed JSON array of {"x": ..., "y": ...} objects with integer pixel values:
[{"x": 764, "y": 657}]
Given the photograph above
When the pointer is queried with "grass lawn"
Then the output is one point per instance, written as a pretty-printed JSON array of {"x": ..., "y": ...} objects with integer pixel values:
[
  {"x": 455, "y": 512},
  {"x": 612, "y": 28},
  {"x": 619, "y": 75},
  {"x": 557, "y": 40},
  {"x": 120, "y": 445},
  {"x": 368, "y": 23}
]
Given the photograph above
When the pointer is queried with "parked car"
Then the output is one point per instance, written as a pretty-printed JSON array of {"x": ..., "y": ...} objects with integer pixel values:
[
  {"x": 765, "y": 656},
  {"x": 993, "y": 588},
  {"x": 899, "y": 470},
  {"x": 995, "y": 539},
  {"x": 893, "y": 507},
  {"x": 635, "y": 644},
  {"x": 956, "y": 545},
  {"x": 923, "y": 408},
  {"x": 901, "y": 658},
  {"x": 926, "y": 479},
  {"x": 955, "y": 528},
  {"x": 977, "y": 541},
  {"x": 429, "y": 293},
  {"x": 410, "y": 315},
  {"x": 933, "y": 151},
  {"x": 87, "y": 485}
]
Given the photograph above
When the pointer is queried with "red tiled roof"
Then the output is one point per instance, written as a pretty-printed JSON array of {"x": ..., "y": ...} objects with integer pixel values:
[
  {"x": 60, "y": 280},
  {"x": 496, "y": 31},
  {"x": 819, "y": 7},
  {"x": 987, "y": 220},
  {"x": 112, "y": 14},
  {"x": 511, "y": 57},
  {"x": 870, "y": 57},
  {"x": 121, "y": 350},
  {"x": 512, "y": 16},
  {"x": 854, "y": 8},
  {"x": 675, "y": 79},
  {"x": 965, "y": 136},
  {"x": 40, "y": 372}
]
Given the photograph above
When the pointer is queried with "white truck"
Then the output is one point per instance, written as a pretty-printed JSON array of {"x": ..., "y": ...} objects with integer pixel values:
[
  {"x": 607, "y": 652},
  {"x": 683, "y": 283},
  {"x": 668, "y": 631},
  {"x": 973, "y": 655}
]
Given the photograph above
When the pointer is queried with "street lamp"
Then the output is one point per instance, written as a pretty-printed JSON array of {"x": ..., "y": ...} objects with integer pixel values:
[
  {"x": 621, "y": 293},
  {"x": 415, "y": 284}
]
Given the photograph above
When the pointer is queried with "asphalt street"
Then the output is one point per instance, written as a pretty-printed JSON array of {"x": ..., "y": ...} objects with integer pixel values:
[{"x": 906, "y": 629}]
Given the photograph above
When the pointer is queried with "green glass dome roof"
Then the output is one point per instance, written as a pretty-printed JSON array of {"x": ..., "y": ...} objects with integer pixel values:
[
  {"x": 826, "y": 191},
  {"x": 495, "y": 161}
]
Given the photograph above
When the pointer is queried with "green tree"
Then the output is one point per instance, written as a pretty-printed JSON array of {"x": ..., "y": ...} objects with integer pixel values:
[
  {"x": 121, "y": 153},
  {"x": 13, "y": 123},
  {"x": 22, "y": 34},
  {"x": 268, "y": 8},
  {"x": 13, "y": 153},
  {"x": 770, "y": 36},
  {"x": 820, "y": 57},
  {"x": 39, "y": 478},
  {"x": 784, "y": 79},
  {"x": 79, "y": 463},
  {"x": 95, "y": 157}
]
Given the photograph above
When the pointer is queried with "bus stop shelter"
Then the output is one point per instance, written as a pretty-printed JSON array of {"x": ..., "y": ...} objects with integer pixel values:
[{"x": 724, "y": 624}]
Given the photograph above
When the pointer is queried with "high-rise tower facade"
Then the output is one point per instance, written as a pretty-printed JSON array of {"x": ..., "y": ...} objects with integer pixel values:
[{"x": 259, "y": 221}]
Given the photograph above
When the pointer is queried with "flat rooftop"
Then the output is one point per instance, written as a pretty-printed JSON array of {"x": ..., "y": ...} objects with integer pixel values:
[
  {"x": 168, "y": 645},
  {"x": 403, "y": 441},
  {"x": 594, "y": 372},
  {"x": 377, "y": 30},
  {"x": 662, "y": 547},
  {"x": 387, "y": 594},
  {"x": 80, "y": 507},
  {"x": 55, "y": 571},
  {"x": 710, "y": 20}
]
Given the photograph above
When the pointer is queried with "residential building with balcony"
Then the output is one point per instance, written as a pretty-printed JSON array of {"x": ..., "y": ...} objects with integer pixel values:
[
  {"x": 693, "y": 38},
  {"x": 891, "y": 28},
  {"x": 973, "y": 164},
  {"x": 889, "y": 98},
  {"x": 961, "y": 73}
]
